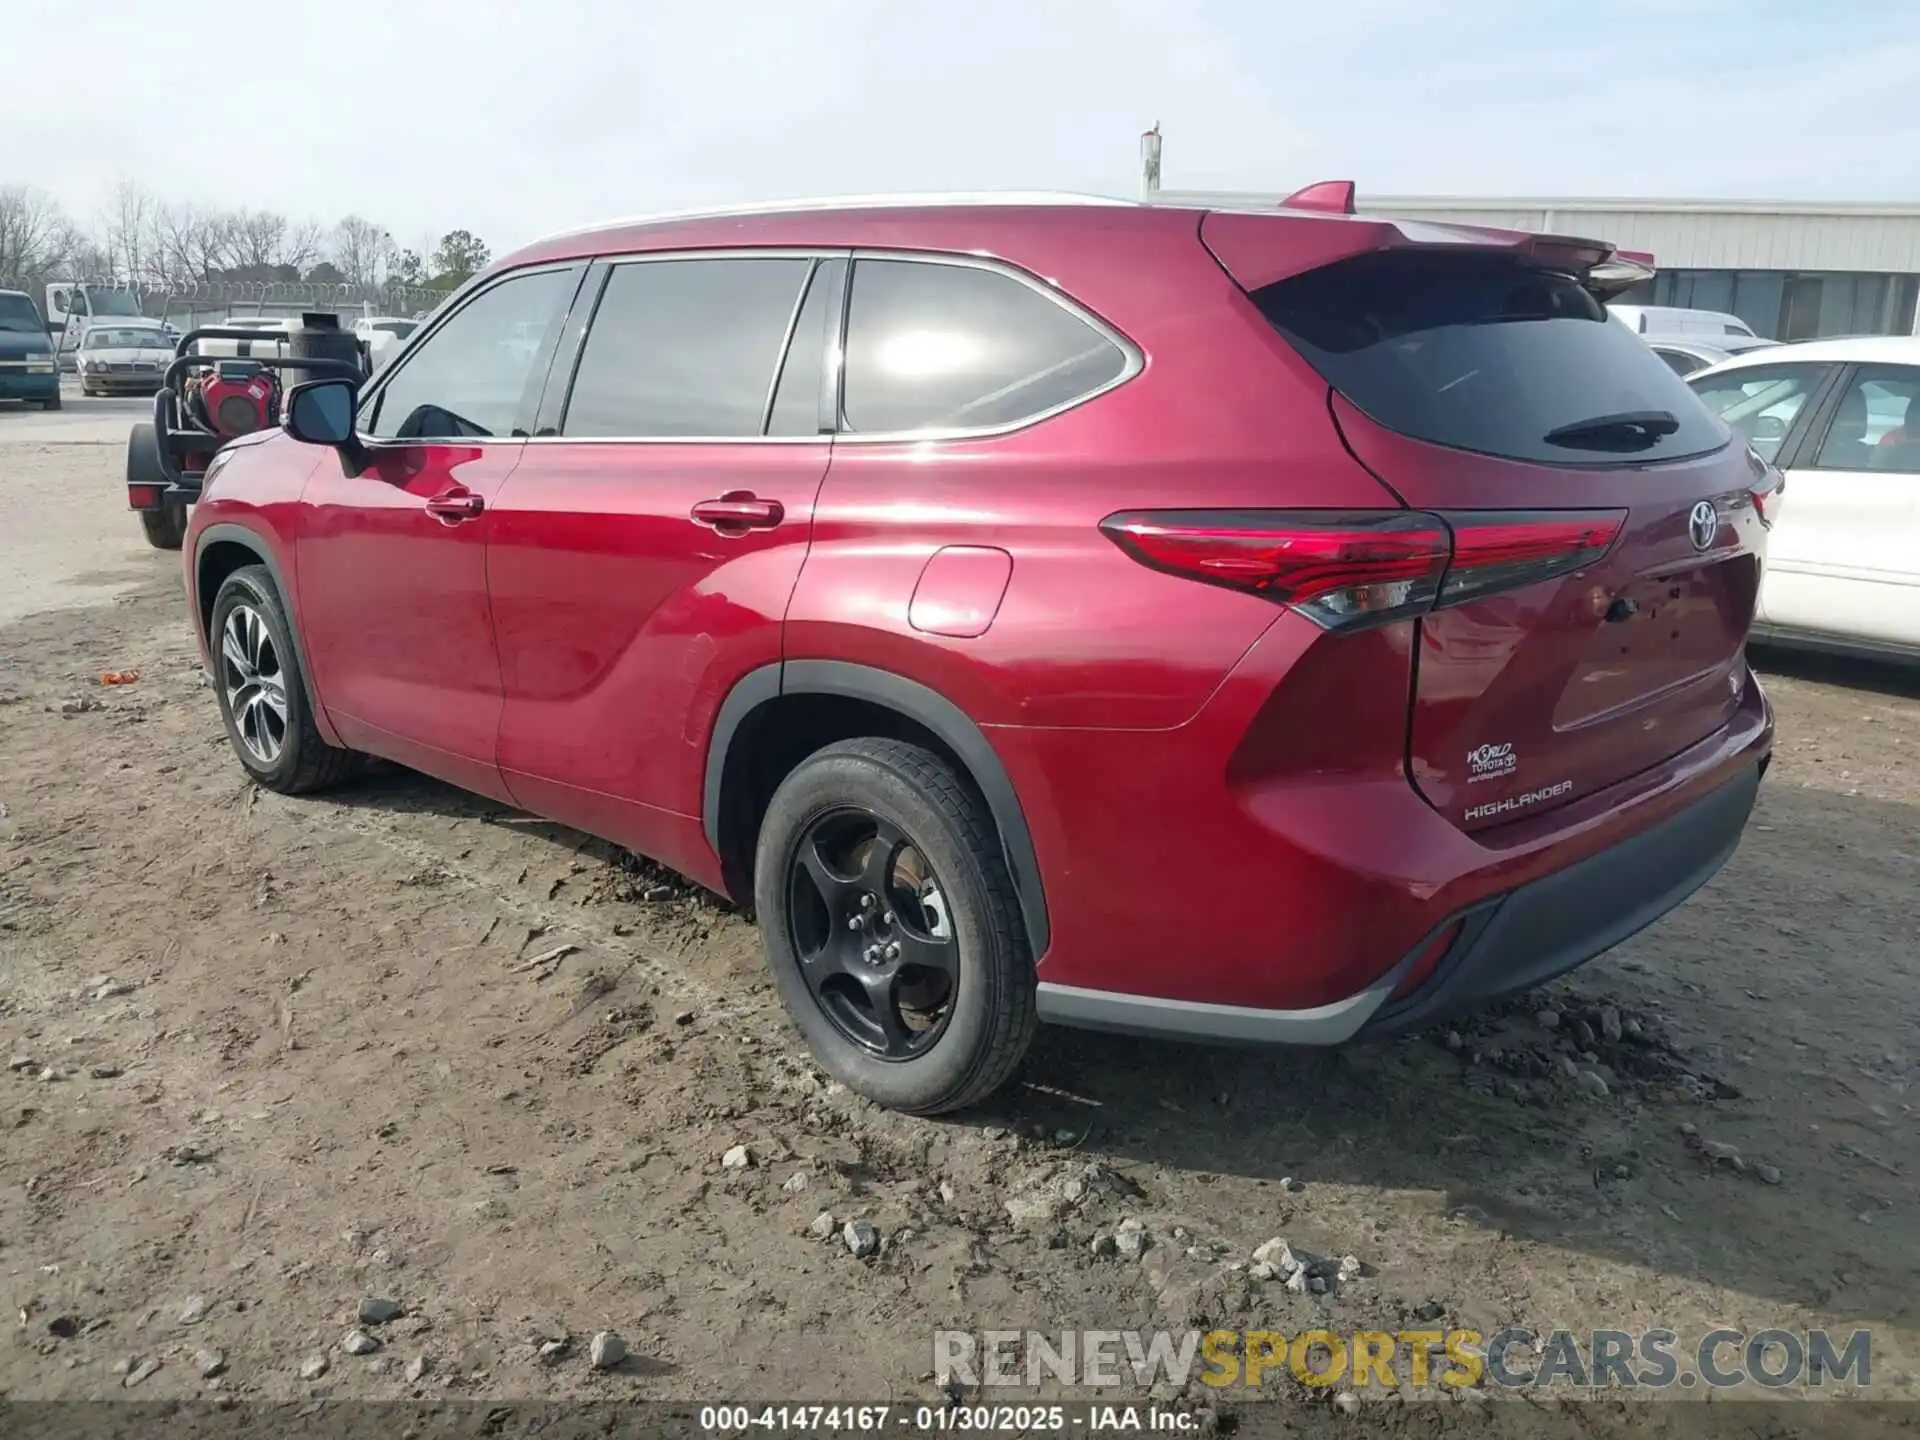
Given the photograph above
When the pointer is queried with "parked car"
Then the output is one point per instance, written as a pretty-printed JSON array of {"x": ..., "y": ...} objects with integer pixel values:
[
  {"x": 1018, "y": 604},
  {"x": 1843, "y": 565},
  {"x": 1684, "y": 356},
  {"x": 1674, "y": 321},
  {"x": 123, "y": 359},
  {"x": 382, "y": 335},
  {"x": 28, "y": 370}
]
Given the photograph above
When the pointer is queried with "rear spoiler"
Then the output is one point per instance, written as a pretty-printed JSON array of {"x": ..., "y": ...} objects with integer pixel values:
[{"x": 1248, "y": 248}]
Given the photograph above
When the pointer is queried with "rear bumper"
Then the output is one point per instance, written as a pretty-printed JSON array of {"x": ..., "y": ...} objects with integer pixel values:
[{"x": 1507, "y": 944}]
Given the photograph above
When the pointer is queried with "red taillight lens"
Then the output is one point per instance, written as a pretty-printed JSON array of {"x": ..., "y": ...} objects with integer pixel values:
[
  {"x": 145, "y": 497},
  {"x": 1340, "y": 569},
  {"x": 1349, "y": 569},
  {"x": 1506, "y": 550},
  {"x": 1767, "y": 487}
]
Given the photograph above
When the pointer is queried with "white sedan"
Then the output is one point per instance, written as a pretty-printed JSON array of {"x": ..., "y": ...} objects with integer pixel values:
[
  {"x": 1839, "y": 417},
  {"x": 383, "y": 334}
]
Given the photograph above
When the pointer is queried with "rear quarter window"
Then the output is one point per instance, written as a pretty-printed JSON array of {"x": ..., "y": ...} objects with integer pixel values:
[
  {"x": 1478, "y": 353},
  {"x": 942, "y": 346}
]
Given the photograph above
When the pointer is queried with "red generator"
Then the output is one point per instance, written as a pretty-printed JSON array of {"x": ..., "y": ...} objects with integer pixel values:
[{"x": 204, "y": 401}]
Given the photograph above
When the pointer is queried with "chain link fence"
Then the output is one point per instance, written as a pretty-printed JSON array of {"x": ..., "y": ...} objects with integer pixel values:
[{"x": 210, "y": 302}]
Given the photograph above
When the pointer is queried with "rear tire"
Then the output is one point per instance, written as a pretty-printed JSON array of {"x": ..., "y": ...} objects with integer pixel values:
[
  {"x": 972, "y": 1013},
  {"x": 166, "y": 527},
  {"x": 52, "y": 402},
  {"x": 263, "y": 694}
]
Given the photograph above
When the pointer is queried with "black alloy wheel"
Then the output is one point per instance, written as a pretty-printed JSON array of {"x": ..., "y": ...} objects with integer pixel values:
[{"x": 872, "y": 930}]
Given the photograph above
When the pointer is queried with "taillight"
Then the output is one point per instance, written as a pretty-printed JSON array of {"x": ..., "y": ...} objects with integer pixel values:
[
  {"x": 1348, "y": 569},
  {"x": 1767, "y": 487},
  {"x": 145, "y": 497},
  {"x": 1506, "y": 550},
  {"x": 1341, "y": 569}
]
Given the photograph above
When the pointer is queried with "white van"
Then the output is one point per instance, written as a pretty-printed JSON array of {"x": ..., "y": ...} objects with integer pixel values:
[{"x": 1670, "y": 320}]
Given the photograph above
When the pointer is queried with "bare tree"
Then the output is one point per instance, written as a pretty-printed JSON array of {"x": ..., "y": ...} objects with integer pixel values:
[
  {"x": 33, "y": 232},
  {"x": 128, "y": 230},
  {"x": 193, "y": 243},
  {"x": 362, "y": 250},
  {"x": 305, "y": 243},
  {"x": 256, "y": 240}
]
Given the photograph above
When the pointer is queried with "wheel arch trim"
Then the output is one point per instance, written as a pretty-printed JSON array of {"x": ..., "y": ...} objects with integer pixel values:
[
  {"x": 251, "y": 539},
  {"x": 917, "y": 702}
]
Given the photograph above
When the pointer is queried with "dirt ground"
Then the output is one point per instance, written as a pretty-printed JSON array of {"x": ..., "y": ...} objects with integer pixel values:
[{"x": 269, "y": 1057}]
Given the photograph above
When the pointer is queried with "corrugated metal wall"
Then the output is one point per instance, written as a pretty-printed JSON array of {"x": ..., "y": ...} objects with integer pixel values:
[{"x": 1682, "y": 235}]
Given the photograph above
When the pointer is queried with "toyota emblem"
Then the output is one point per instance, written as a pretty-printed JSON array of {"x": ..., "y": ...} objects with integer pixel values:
[{"x": 1703, "y": 524}]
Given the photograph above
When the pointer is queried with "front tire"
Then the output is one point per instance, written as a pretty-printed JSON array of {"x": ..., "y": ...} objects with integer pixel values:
[
  {"x": 52, "y": 402},
  {"x": 890, "y": 924},
  {"x": 262, "y": 692},
  {"x": 166, "y": 527}
]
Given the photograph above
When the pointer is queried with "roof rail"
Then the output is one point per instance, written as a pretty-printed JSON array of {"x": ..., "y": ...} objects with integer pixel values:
[{"x": 872, "y": 201}]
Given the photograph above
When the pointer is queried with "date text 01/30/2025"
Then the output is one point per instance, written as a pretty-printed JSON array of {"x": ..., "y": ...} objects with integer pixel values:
[{"x": 970, "y": 1419}]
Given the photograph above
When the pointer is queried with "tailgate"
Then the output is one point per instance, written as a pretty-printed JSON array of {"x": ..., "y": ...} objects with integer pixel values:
[{"x": 1605, "y": 540}]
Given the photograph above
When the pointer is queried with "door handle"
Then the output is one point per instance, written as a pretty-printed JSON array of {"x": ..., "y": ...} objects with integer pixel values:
[
  {"x": 455, "y": 505},
  {"x": 740, "y": 510}
]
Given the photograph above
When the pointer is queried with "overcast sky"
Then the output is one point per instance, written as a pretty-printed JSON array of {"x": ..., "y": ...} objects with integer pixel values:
[{"x": 515, "y": 118}]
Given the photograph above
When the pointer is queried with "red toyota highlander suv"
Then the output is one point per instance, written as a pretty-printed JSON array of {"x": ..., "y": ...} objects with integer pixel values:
[{"x": 1279, "y": 626}]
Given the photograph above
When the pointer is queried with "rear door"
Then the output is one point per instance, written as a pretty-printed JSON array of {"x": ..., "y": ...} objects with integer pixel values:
[
  {"x": 1491, "y": 389},
  {"x": 641, "y": 558},
  {"x": 1845, "y": 557}
]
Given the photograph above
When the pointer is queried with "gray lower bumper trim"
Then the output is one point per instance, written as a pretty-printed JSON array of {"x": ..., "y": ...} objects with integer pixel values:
[{"x": 1226, "y": 1024}]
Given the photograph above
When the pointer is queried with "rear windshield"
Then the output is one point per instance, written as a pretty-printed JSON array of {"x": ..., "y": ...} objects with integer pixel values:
[{"x": 1477, "y": 353}]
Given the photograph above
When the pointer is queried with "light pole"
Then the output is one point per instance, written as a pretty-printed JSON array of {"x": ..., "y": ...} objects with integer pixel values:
[{"x": 1150, "y": 163}]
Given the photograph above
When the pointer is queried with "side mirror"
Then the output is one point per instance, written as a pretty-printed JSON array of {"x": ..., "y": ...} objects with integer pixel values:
[
  {"x": 320, "y": 412},
  {"x": 1769, "y": 427}
]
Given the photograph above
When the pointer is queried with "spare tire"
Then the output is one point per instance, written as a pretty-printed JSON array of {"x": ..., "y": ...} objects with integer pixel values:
[{"x": 166, "y": 528}]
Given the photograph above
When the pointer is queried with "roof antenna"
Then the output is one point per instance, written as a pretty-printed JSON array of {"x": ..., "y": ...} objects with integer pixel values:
[
  {"x": 1150, "y": 163},
  {"x": 1334, "y": 197}
]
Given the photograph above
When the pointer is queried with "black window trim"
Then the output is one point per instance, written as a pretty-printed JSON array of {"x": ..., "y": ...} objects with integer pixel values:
[
  {"x": 1134, "y": 361},
  {"x": 1845, "y": 373},
  {"x": 1823, "y": 399},
  {"x": 421, "y": 337},
  {"x": 553, "y": 404},
  {"x": 833, "y": 380},
  {"x": 1810, "y": 416}
]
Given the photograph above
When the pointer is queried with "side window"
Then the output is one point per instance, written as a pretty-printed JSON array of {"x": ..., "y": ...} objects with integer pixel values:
[
  {"x": 684, "y": 348},
  {"x": 1761, "y": 404},
  {"x": 1681, "y": 363},
  {"x": 474, "y": 376},
  {"x": 934, "y": 346},
  {"x": 1877, "y": 423}
]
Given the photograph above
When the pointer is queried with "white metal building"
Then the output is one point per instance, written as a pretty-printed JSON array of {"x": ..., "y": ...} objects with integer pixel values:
[{"x": 1791, "y": 270}]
